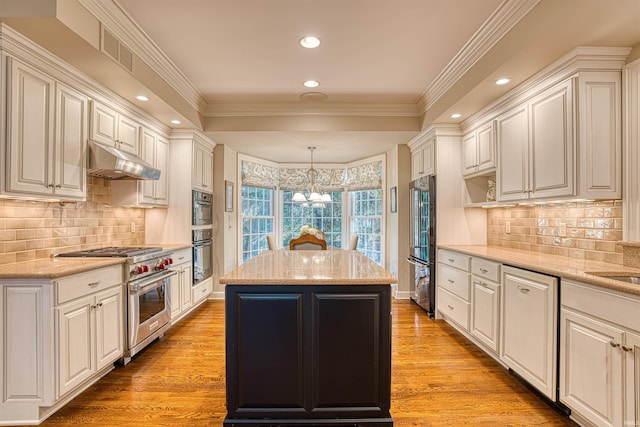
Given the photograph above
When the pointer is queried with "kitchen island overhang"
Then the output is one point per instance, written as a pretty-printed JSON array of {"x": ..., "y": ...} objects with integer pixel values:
[{"x": 308, "y": 340}]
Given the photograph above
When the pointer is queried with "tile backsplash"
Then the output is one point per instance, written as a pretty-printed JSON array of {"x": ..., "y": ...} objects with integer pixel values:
[
  {"x": 32, "y": 230},
  {"x": 593, "y": 229}
]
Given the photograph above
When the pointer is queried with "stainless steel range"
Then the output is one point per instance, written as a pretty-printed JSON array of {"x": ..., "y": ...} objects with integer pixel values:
[{"x": 147, "y": 276}]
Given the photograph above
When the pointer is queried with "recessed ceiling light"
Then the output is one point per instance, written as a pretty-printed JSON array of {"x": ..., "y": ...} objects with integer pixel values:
[
  {"x": 176, "y": 122},
  {"x": 311, "y": 83},
  {"x": 310, "y": 42},
  {"x": 456, "y": 115},
  {"x": 503, "y": 81},
  {"x": 142, "y": 98}
]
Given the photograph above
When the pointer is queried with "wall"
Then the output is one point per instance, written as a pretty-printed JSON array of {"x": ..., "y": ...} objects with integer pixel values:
[
  {"x": 594, "y": 229},
  {"x": 33, "y": 229}
]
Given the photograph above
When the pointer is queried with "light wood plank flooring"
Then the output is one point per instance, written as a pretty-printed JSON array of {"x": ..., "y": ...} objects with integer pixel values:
[{"x": 438, "y": 379}]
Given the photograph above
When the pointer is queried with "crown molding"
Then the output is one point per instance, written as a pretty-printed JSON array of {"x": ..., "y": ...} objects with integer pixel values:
[
  {"x": 266, "y": 109},
  {"x": 504, "y": 18},
  {"x": 121, "y": 24}
]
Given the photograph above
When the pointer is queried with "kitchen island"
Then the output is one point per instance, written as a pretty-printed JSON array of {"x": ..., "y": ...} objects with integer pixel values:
[{"x": 308, "y": 340}]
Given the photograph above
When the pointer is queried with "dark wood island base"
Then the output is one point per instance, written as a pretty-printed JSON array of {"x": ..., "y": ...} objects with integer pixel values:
[{"x": 308, "y": 355}]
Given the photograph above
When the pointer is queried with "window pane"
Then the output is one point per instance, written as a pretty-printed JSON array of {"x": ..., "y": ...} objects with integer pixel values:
[
  {"x": 366, "y": 221},
  {"x": 257, "y": 220},
  {"x": 327, "y": 219}
]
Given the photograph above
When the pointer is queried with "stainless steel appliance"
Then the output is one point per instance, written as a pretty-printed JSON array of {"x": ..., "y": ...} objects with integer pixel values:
[
  {"x": 423, "y": 242},
  {"x": 147, "y": 274},
  {"x": 202, "y": 208},
  {"x": 202, "y": 255}
]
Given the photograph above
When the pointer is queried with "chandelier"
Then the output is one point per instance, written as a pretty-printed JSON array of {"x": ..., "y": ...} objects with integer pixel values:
[{"x": 316, "y": 199}]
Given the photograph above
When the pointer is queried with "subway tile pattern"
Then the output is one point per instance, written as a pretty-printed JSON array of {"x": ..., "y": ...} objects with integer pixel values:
[
  {"x": 31, "y": 230},
  {"x": 593, "y": 229}
]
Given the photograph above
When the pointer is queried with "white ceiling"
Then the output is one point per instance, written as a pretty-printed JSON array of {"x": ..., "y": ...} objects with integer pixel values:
[{"x": 388, "y": 68}]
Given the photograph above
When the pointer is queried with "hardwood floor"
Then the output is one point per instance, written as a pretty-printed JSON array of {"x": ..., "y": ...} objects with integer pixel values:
[{"x": 438, "y": 379}]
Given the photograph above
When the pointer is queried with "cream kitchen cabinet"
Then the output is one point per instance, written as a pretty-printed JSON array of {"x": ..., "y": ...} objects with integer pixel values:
[
  {"x": 202, "y": 168},
  {"x": 453, "y": 295},
  {"x": 146, "y": 193},
  {"x": 479, "y": 151},
  {"x": 46, "y": 136},
  {"x": 536, "y": 149},
  {"x": 528, "y": 327},
  {"x": 600, "y": 355},
  {"x": 57, "y": 338},
  {"x": 180, "y": 295},
  {"x": 485, "y": 302},
  {"x": 113, "y": 128},
  {"x": 423, "y": 159}
]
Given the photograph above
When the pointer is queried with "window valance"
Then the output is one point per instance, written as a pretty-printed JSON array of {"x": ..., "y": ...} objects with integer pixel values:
[
  {"x": 298, "y": 179},
  {"x": 259, "y": 175},
  {"x": 367, "y": 176}
]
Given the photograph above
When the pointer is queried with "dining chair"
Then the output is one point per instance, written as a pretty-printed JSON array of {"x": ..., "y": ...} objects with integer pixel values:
[
  {"x": 307, "y": 241},
  {"x": 271, "y": 242},
  {"x": 353, "y": 245}
]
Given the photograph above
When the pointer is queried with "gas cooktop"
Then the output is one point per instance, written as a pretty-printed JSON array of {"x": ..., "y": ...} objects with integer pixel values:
[{"x": 112, "y": 252}]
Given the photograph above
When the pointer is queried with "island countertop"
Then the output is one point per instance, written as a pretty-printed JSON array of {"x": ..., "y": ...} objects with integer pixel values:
[{"x": 316, "y": 267}]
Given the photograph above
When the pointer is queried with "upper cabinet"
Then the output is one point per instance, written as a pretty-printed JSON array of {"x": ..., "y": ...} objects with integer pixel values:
[
  {"x": 46, "y": 136},
  {"x": 202, "y": 167},
  {"x": 115, "y": 129},
  {"x": 423, "y": 159},
  {"x": 479, "y": 151}
]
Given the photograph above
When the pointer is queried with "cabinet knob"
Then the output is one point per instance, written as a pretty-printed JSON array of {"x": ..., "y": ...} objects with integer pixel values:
[
  {"x": 99, "y": 304},
  {"x": 524, "y": 290},
  {"x": 484, "y": 270},
  {"x": 449, "y": 306},
  {"x": 452, "y": 260},
  {"x": 451, "y": 281},
  {"x": 627, "y": 348},
  {"x": 614, "y": 343}
]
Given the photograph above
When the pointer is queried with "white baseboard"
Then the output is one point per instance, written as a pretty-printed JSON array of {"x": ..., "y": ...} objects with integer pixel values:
[
  {"x": 216, "y": 295},
  {"x": 402, "y": 295}
]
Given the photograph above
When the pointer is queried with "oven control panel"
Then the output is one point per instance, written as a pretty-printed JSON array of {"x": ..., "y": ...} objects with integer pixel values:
[{"x": 149, "y": 267}]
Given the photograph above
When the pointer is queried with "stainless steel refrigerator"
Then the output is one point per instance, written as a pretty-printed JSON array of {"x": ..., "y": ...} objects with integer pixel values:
[{"x": 422, "y": 253}]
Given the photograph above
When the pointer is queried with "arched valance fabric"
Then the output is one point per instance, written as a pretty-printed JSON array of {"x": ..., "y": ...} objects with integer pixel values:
[
  {"x": 298, "y": 179},
  {"x": 367, "y": 176},
  {"x": 259, "y": 175}
]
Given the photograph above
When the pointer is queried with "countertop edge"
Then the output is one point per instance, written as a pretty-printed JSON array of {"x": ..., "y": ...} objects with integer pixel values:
[
  {"x": 572, "y": 269},
  {"x": 54, "y": 268}
]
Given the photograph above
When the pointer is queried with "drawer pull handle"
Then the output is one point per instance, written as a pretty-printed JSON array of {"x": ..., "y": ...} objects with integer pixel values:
[
  {"x": 627, "y": 348},
  {"x": 484, "y": 285},
  {"x": 451, "y": 281},
  {"x": 484, "y": 270},
  {"x": 614, "y": 343},
  {"x": 449, "y": 306},
  {"x": 452, "y": 260},
  {"x": 92, "y": 284},
  {"x": 524, "y": 290},
  {"x": 181, "y": 258},
  {"x": 99, "y": 304}
]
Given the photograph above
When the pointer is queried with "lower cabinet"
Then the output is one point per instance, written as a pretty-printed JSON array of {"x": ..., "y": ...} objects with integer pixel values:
[
  {"x": 308, "y": 355},
  {"x": 485, "y": 312},
  {"x": 600, "y": 355},
  {"x": 529, "y": 324},
  {"x": 90, "y": 336},
  {"x": 180, "y": 292}
]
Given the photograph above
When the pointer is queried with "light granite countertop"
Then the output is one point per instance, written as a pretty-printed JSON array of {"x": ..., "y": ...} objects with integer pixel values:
[
  {"x": 556, "y": 265},
  {"x": 53, "y": 268},
  {"x": 309, "y": 267}
]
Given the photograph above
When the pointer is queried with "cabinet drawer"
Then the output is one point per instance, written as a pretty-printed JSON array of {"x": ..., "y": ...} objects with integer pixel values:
[
  {"x": 453, "y": 308},
  {"x": 490, "y": 270},
  {"x": 455, "y": 281},
  {"x": 89, "y": 282},
  {"x": 454, "y": 259},
  {"x": 202, "y": 290},
  {"x": 606, "y": 304},
  {"x": 182, "y": 256}
]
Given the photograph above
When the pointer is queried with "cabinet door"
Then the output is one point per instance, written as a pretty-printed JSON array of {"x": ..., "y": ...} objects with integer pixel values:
[
  {"x": 469, "y": 154},
  {"x": 71, "y": 130},
  {"x": 552, "y": 144},
  {"x": 486, "y": 148},
  {"x": 632, "y": 379},
  {"x": 428, "y": 158},
  {"x": 591, "y": 368},
  {"x": 185, "y": 288},
  {"x": 75, "y": 343},
  {"x": 207, "y": 179},
  {"x": 104, "y": 124},
  {"x": 174, "y": 295},
  {"x": 198, "y": 167},
  {"x": 109, "y": 327},
  {"x": 485, "y": 312},
  {"x": 128, "y": 135},
  {"x": 416, "y": 164},
  {"x": 162, "y": 163},
  {"x": 529, "y": 327},
  {"x": 148, "y": 154},
  {"x": 30, "y": 131},
  {"x": 513, "y": 155}
]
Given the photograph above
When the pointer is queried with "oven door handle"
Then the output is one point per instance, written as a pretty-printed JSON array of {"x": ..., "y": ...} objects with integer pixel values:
[
  {"x": 141, "y": 287},
  {"x": 416, "y": 263}
]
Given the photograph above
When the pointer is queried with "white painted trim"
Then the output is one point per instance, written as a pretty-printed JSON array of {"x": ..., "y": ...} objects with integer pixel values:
[{"x": 324, "y": 109}]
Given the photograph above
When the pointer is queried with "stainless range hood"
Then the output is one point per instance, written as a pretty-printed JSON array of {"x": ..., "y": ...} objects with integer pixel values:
[{"x": 110, "y": 163}]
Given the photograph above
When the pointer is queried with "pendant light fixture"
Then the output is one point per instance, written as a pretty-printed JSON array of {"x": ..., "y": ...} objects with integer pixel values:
[{"x": 316, "y": 199}]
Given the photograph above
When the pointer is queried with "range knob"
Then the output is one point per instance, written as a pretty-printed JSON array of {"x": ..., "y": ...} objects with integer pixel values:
[
  {"x": 160, "y": 266},
  {"x": 145, "y": 268},
  {"x": 139, "y": 269}
]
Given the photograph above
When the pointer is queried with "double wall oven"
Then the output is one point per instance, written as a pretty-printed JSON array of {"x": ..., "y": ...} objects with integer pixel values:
[
  {"x": 201, "y": 234},
  {"x": 147, "y": 274}
]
